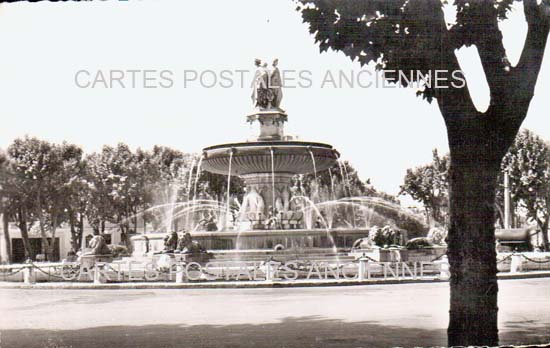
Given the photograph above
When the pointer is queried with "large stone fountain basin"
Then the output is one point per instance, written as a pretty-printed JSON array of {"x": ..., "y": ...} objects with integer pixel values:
[
  {"x": 300, "y": 240},
  {"x": 292, "y": 157}
]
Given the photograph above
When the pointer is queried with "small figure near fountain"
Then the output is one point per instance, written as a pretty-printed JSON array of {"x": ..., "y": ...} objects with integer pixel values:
[
  {"x": 320, "y": 222},
  {"x": 272, "y": 222},
  {"x": 282, "y": 199},
  {"x": 253, "y": 205},
  {"x": 98, "y": 252},
  {"x": 363, "y": 244},
  {"x": 98, "y": 245},
  {"x": 170, "y": 243},
  {"x": 208, "y": 222},
  {"x": 186, "y": 245}
]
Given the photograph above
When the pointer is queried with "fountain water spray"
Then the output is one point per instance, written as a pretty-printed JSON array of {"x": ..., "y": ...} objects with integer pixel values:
[{"x": 228, "y": 212}]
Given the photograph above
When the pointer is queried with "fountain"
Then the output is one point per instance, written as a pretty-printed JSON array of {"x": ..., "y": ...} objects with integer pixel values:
[
  {"x": 273, "y": 216},
  {"x": 269, "y": 215}
]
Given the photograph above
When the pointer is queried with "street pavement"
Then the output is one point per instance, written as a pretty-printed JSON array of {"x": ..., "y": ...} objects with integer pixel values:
[{"x": 404, "y": 315}]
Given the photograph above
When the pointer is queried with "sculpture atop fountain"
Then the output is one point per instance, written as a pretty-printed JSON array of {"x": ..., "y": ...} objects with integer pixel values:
[
  {"x": 268, "y": 163},
  {"x": 267, "y": 87}
]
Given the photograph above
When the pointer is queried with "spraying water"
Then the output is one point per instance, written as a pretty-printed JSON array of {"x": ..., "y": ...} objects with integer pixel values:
[
  {"x": 272, "y": 178},
  {"x": 228, "y": 212},
  {"x": 331, "y": 196},
  {"x": 343, "y": 176},
  {"x": 312, "y": 207},
  {"x": 314, "y": 164},
  {"x": 197, "y": 176},
  {"x": 349, "y": 194},
  {"x": 189, "y": 183}
]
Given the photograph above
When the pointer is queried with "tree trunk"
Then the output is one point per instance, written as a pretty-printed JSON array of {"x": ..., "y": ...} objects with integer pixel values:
[
  {"x": 544, "y": 231},
  {"x": 81, "y": 229},
  {"x": 76, "y": 226},
  {"x": 471, "y": 249},
  {"x": 75, "y": 237},
  {"x": 44, "y": 235},
  {"x": 7, "y": 239},
  {"x": 23, "y": 227},
  {"x": 51, "y": 246}
]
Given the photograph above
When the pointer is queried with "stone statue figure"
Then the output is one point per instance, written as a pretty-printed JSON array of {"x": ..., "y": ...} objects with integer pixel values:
[
  {"x": 252, "y": 203},
  {"x": 170, "y": 242},
  {"x": 208, "y": 222},
  {"x": 314, "y": 195},
  {"x": 276, "y": 84},
  {"x": 261, "y": 94},
  {"x": 279, "y": 203},
  {"x": 186, "y": 245},
  {"x": 267, "y": 86},
  {"x": 272, "y": 222},
  {"x": 256, "y": 82},
  {"x": 98, "y": 246},
  {"x": 282, "y": 199}
]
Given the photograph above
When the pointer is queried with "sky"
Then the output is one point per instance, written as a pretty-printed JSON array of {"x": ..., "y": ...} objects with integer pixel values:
[{"x": 52, "y": 52}]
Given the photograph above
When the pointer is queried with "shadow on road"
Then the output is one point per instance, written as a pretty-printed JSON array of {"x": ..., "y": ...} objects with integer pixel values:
[{"x": 291, "y": 332}]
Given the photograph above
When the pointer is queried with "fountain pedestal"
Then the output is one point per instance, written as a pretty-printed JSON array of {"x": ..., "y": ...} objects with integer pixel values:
[{"x": 271, "y": 123}]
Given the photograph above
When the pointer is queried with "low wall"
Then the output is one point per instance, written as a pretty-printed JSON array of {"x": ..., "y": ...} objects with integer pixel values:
[
  {"x": 258, "y": 239},
  {"x": 170, "y": 267},
  {"x": 526, "y": 261},
  {"x": 405, "y": 255}
]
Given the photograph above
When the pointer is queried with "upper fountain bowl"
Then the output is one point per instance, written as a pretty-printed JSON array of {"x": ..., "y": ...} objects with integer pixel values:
[{"x": 292, "y": 157}]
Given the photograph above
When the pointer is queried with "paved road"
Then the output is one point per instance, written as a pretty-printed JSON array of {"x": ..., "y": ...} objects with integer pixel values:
[{"x": 357, "y": 316}]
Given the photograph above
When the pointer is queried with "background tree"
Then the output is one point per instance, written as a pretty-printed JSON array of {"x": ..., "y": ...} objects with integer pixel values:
[
  {"x": 63, "y": 184},
  {"x": 44, "y": 174},
  {"x": 169, "y": 176},
  {"x": 528, "y": 165},
  {"x": 34, "y": 161},
  {"x": 99, "y": 205},
  {"x": 18, "y": 203},
  {"x": 116, "y": 189},
  {"x": 429, "y": 185},
  {"x": 413, "y": 36},
  {"x": 214, "y": 186},
  {"x": 341, "y": 180},
  {"x": 72, "y": 187},
  {"x": 4, "y": 173}
]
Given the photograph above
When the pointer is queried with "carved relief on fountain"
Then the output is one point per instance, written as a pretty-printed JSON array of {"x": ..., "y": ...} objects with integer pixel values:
[{"x": 267, "y": 195}]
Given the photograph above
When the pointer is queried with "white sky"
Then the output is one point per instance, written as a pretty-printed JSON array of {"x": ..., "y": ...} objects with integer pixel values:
[{"x": 381, "y": 131}]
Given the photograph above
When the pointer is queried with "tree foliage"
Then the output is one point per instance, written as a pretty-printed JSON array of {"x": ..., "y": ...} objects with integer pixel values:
[
  {"x": 45, "y": 186},
  {"x": 429, "y": 185},
  {"x": 39, "y": 182},
  {"x": 528, "y": 165}
]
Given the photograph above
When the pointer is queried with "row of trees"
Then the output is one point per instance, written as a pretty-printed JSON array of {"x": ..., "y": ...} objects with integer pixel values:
[
  {"x": 44, "y": 186},
  {"x": 527, "y": 164}
]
